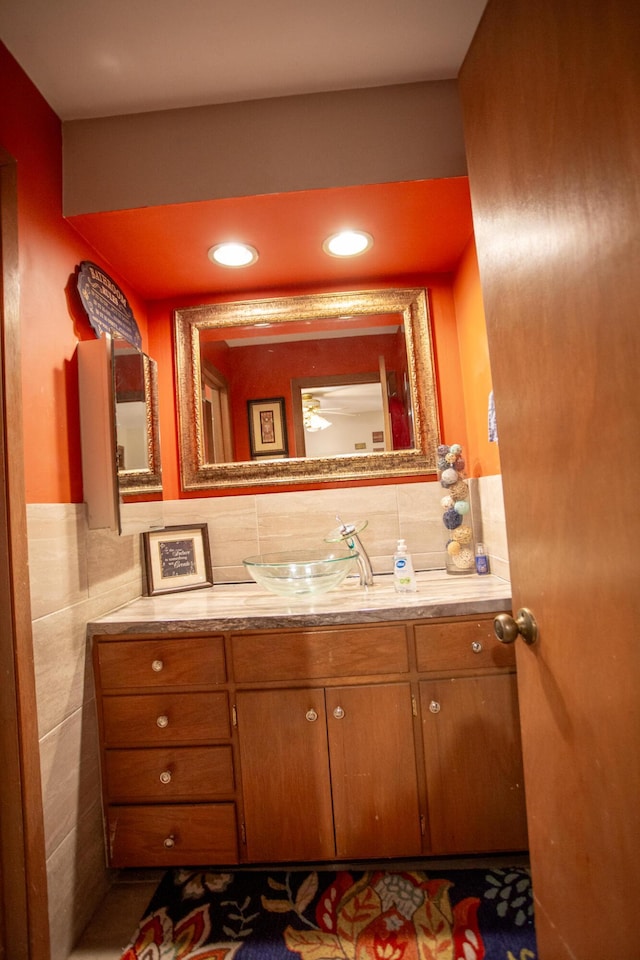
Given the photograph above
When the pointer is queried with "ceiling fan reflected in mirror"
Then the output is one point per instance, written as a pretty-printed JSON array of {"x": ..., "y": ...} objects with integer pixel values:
[
  {"x": 311, "y": 416},
  {"x": 347, "y": 400}
]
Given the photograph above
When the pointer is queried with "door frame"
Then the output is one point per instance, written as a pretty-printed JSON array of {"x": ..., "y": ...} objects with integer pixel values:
[{"x": 24, "y": 916}]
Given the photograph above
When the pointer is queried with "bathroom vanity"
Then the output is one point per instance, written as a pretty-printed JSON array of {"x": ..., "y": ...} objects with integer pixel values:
[{"x": 237, "y": 728}]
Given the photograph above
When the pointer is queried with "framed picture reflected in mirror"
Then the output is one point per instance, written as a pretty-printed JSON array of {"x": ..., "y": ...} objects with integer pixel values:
[{"x": 267, "y": 428}]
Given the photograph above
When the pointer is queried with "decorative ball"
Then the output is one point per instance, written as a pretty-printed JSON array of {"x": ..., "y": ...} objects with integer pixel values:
[
  {"x": 462, "y": 534},
  {"x": 443, "y": 450},
  {"x": 451, "y": 519},
  {"x": 451, "y": 458},
  {"x": 459, "y": 464},
  {"x": 442, "y": 463},
  {"x": 459, "y": 490},
  {"x": 464, "y": 559},
  {"x": 448, "y": 478},
  {"x": 446, "y": 503},
  {"x": 461, "y": 507},
  {"x": 455, "y": 448},
  {"x": 453, "y": 548}
]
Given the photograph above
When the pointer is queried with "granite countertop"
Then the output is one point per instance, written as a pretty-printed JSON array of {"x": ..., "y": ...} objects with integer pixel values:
[{"x": 246, "y": 606}]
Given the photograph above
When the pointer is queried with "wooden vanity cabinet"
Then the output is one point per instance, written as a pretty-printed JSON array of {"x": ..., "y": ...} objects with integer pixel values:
[
  {"x": 372, "y": 741},
  {"x": 167, "y": 756}
]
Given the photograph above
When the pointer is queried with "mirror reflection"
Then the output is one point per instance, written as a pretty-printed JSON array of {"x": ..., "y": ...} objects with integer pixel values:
[
  {"x": 342, "y": 385},
  {"x": 136, "y": 413},
  {"x": 343, "y": 418}
]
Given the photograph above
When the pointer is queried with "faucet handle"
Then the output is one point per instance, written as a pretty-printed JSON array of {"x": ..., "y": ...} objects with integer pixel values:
[{"x": 345, "y": 530}]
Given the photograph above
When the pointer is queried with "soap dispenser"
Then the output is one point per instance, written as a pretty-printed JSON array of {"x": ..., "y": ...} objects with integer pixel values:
[{"x": 404, "y": 578}]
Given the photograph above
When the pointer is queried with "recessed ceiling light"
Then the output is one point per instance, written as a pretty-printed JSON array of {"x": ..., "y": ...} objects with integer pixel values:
[
  {"x": 233, "y": 254},
  {"x": 347, "y": 243}
]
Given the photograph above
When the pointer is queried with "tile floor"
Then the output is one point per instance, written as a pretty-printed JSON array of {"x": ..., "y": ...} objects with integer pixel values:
[{"x": 116, "y": 919}]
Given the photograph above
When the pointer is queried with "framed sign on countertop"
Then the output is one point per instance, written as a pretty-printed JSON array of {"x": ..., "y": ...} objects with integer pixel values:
[{"x": 177, "y": 558}]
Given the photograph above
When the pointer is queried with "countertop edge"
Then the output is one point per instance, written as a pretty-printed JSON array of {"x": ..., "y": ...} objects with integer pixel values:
[{"x": 292, "y": 619}]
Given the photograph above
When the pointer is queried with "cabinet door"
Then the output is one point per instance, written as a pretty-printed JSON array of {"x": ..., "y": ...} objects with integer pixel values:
[
  {"x": 285, "y": 775},
  {"x": 373, "y": 771},
  {"x": 473, "y": 764}
]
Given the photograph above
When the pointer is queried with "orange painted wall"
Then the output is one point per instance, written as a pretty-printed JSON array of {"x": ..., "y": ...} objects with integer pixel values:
[
  {"x": 52, "y": 318},
  {"x": 483, "y": 458}
]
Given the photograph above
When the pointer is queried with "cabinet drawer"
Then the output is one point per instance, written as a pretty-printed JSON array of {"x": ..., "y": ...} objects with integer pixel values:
[
  {"x": 461, "y": 645},
  {"x": 197, "y": 661},
  {"x": 300, "y": 655},
  {"x": 172, "y": 835},
  {"x": 163, "y": 718},
  {"x": 169, "y": 774}
]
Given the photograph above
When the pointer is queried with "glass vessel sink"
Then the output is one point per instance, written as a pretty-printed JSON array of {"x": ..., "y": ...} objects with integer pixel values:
[{"x": 300, "y": 572}]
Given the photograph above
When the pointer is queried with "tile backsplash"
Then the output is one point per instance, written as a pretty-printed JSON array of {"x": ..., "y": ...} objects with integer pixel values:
[{"x": 240, "y": 526}]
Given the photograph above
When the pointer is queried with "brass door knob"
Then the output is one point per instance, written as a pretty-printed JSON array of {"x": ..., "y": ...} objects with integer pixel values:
[{"x": 507, "y": 629}]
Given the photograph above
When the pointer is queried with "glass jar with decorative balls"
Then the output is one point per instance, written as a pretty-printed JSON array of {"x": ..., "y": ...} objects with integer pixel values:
[{"x": 456, "y": 510}]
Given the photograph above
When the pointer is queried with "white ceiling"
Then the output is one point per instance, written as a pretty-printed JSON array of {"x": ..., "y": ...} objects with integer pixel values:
[{"x": 93, "y": 58}]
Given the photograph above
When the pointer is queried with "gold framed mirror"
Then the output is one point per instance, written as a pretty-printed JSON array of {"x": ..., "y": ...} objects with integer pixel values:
[
  {"x": 135, "y": 382},
  {"x": 214, "y": 387}
]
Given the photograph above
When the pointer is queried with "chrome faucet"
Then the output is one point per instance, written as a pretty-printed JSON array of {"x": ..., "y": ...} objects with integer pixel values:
[{"x": 348, "y": 532}]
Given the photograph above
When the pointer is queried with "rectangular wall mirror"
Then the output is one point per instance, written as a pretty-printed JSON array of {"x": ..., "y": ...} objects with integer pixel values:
[
  {"x": 135, "y": 387},
  {"x": 353, "y": 373},
  {"x": 118, "y": 394}
]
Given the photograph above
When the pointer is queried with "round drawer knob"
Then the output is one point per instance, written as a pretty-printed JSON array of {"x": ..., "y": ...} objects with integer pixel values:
[
  {"x": 163, "y": 721},
  {"x": 169, "y": 842},
  {"x": 311, "y": 715},
  {"x": 165, "y": 776},
  {"x": 476, "y": 646},
  {"x": 338, "y": 713},
  {"x": 434, "y": 706},
  {"x": 157, "y": 666}
]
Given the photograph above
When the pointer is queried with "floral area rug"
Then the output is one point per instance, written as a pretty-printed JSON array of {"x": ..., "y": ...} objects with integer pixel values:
[{"x": 344, "y": 915}]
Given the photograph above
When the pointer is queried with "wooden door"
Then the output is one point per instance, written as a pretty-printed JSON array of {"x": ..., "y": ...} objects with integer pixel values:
[
  {"x": 373, "y": 771},
  {"x": 285, "y": 775},
  {"x": 551, "y": 100},
  {"x": 473, "y": 764}
]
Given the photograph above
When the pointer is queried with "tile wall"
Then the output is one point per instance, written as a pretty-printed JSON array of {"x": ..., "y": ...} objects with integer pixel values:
[{"x": 77, "y": 575}]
